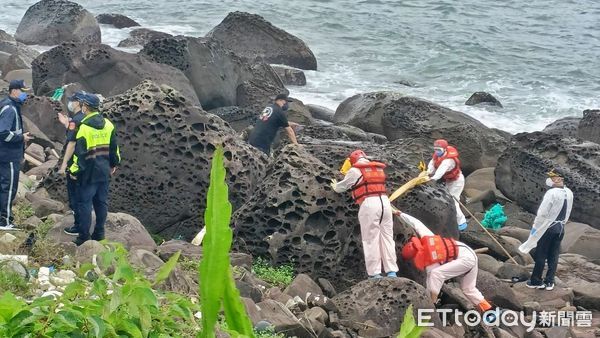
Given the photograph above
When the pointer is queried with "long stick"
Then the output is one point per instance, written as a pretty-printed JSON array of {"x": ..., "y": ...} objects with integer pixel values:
[{"x": 486, "y": 231}]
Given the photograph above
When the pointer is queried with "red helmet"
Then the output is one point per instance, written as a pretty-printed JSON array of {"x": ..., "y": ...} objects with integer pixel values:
[
  {"x": 441, "y": 143},
  {"x": 356, "y": 155}
]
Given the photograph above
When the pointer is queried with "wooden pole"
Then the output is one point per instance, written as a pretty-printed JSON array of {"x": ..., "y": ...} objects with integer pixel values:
[{"x": 486, "y": 231}]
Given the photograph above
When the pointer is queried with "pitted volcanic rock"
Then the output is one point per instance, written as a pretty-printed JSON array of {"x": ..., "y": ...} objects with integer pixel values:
[
  {"x": 521, "y": 172},
  {"x": 166, "y": 150}
]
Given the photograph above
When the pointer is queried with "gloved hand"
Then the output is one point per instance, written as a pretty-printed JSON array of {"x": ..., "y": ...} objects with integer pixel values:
[{"x": 333, "y": 183}]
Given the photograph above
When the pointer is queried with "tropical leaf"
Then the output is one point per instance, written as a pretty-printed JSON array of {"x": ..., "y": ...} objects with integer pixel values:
[
  {"x": 216, "y": 282},
  {"x": 167, "y": 268},
  {"x": 409, "y": 328}
]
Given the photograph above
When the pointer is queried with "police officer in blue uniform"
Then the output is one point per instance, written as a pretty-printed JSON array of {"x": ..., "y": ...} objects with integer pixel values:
[
  {"x": 12, "y": 146},
  {"x": 95, "y": 160}
]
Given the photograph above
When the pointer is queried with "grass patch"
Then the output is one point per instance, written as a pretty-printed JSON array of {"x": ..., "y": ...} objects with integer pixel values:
[
  {"x": 22, "y": 211},
  {"x": 280, "y": 276},
  {"x": 270, "y": 333},
  {"x": 46, "y": 252},
  {"x": 13, "y": 282},
  {"x": 189, "y": 265}
]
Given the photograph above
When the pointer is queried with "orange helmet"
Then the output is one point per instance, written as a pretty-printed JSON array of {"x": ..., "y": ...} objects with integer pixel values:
[
  {"x": 356, "y": 155},
  {"x": 441, "y": 143}
]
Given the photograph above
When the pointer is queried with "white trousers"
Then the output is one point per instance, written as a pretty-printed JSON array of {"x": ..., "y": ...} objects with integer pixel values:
[
  {"x": 464, "y": 265},
  {"x": 377, "y": 232},
  {"x": 455, "y": 188}
]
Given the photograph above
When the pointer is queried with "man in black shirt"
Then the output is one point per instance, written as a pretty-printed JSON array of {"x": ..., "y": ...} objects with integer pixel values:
[{"x": 270, "y": 120}]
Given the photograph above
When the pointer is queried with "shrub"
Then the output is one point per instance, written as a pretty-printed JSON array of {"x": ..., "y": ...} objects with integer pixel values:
[{"x": 281, "y": 276}]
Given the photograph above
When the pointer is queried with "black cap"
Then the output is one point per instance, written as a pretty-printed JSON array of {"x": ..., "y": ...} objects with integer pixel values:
[
  {"x": 17, "y": 84},
  {"x": 282, "y": 97},
  {"x": 77, "y": 96},
  {"x": 91, "y": 100},
  {"x": 556, "y": 172}
]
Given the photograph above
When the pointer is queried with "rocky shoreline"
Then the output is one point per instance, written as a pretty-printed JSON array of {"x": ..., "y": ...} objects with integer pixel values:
[{"x": 180, "y": 97}]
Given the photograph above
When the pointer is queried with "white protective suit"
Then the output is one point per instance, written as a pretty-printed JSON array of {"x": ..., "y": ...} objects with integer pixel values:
[
  {"x": 464, "y": 265},
  {"x": 455, "y": 188},
  {"x": 546, "y": 215},
  {"x": 376, "y": 226}
]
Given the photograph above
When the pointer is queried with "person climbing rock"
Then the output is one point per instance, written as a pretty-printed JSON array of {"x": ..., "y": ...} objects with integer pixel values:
[
  {"x": 269, "y": 122},
  {"x": 548, "y": 230},
  {"x": 443, "y": 259},
  {"x": 366, "y": 179},
  {"x": 445, "y": 165},
  {"x": 12, "y": 144},
  {"x": 95, "y": 160},
  {"x": 71, "y": 124}
]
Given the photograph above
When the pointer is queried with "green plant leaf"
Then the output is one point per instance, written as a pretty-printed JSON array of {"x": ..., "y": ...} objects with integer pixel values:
[
  {"x": 9, "y": 306},
  {"x": 409, "y": 328},
  {"x": 98, "y": 326},
  {"x": 165, "y": 270},
  {"x": 215, "y": 276},
  {"x": 235, "y": 312}
]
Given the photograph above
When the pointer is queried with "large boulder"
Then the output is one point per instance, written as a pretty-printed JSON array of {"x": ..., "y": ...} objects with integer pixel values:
[
  {"x": 167, "y": 145},
  {"x": 102, "y": 69},
  {"x": 254, "y": 38},
  {"x": 290, "y": 76},
  {"x": 43, "y": 112},
  {"x": 320, "y": 112},
  {"x": 293, "y": 215},
  {"x": 119, "y": 227},
  {"x": 382, "y": 303},
  {"x": 483, "y": 98},
  {"x": 216, "y": 73},
  {"x": 238, "y": 118},
  {"x": 521, "y": 172},
  {"x": 19, "y": 74},
  {"x": 50, "y": 22},
  {"x": 589, "y": 126},
  {"x": 141, "y": 36},
  {"x": 565, "y": 127},
  {"x": 581, "y": 239},
  {"x": 582, "y": 276},
  {"x": 397, "y": 116},
  {"x": 497, "y": 292},
  {"x": 117, "y": 20}
]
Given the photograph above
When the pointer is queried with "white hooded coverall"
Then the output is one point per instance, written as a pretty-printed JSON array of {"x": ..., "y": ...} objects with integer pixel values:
[
  {"x": 376, "y": 226},
  {"x": 455, "y": 187},
  {"x": 465, "y": 264},
  {"x": 546, "y": 215}
]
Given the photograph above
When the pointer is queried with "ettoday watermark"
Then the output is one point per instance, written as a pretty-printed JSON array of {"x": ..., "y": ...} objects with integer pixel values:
[{"x": 507, "y": 318}]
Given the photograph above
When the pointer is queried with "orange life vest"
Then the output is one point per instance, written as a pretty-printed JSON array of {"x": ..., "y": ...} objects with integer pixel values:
[
  {"x": 432, "y": 249},
  {"x": 452, "y": 153},
  {"x": 372, "y": 182}
]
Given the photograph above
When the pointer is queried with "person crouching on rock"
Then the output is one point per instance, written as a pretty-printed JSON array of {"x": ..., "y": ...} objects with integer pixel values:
[
  {"x": 445, "y": 165},
  {"x": 442, "y": 259},
  {"x": 270, "y": 120},
  {"x": 366, "y": 179},
  {"x": 548, "y": 231}
]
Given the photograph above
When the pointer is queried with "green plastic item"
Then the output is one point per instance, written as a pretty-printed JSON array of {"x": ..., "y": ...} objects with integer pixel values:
[
  {"x": 494, "y": 218},
  {"x": 58, "y": 94}
]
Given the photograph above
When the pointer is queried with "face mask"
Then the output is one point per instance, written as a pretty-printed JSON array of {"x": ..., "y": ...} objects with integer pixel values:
[
  {"x": 285, "y": 107},
  {"x": 549, "y": 182},
  {"x": 439, "y": 153},
  {"x": 22, "y": 97},
  {"x": 70, "y": 107}
]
